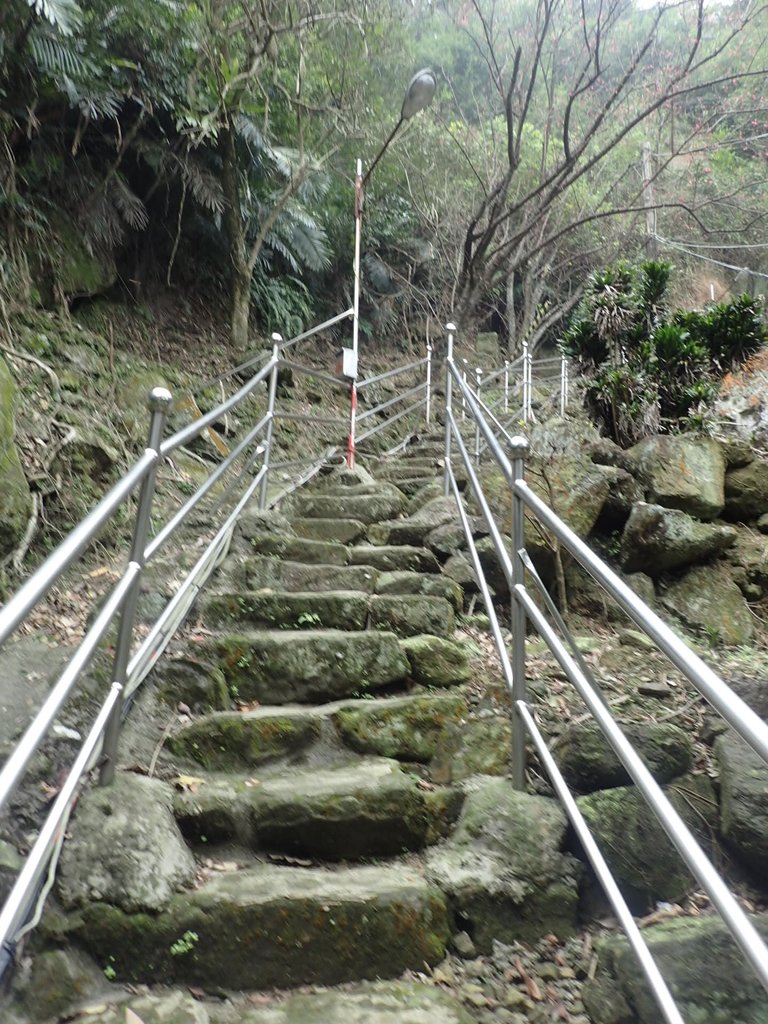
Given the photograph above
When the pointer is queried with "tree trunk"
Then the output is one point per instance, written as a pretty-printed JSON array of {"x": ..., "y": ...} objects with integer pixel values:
[{"x": 240, "y": 283}]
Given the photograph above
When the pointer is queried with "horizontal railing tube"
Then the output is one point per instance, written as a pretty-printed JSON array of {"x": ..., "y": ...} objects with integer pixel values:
[
  {"x": 392, "y": 420},
  {"x": 733, "y": 709},
  {"x": 390, "y": 373},
  {"x": 36, "y": 731},
  {"x": 17, "y": 904},
  {"x": 745, "y": 934},
  {"x": 346, "y": 315},
  {"x": 300, "y": 417},
  {"x": 653, "y": 975},
  {"x": 329, "y": 378},
  {"x": 392, "y": 401},
  {"x": 493, "y": 444},
  {"x": 192, "y": 430},
  {"x": 71, "y": 547}
]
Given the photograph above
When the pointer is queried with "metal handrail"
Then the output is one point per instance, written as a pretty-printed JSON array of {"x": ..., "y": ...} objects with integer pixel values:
[{"x": 735, "y": 711}]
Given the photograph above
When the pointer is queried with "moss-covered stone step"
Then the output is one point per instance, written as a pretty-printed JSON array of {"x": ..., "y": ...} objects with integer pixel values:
[
  {"x": 304, "y": 666},
  {"x": 411, "y": 485},
  {"x": 415, "y": 466},
  {"x": 386, "y": 503},
  {"x": 383, "y": 1002},
  {"x": 370, "y": 808},
  {"x": 394, "y": 557},
  {"x": 300, "y": 549},
  {"x": 412, "y": 615},
  {"x": 401, "y": 581},
  {"x": 279, "y": 574},
  {"x": 276, "y": 927},
  {"x": 411, "y": 729},
  {"x": 343, "y": 531},
  {"x": 294, "y": 610},
  {"x": 416, "y": 527}
]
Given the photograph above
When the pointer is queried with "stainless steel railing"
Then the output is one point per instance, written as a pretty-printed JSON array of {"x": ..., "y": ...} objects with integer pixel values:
[
  {"x": 509, "y": 454},
  {"x": 257, "y": 468}
]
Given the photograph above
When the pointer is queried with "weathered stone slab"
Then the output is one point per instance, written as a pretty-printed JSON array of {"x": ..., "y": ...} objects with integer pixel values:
[
  {"x": 683, "y": 471},
  {"x": 589, "y": 762},
  {"x": 386, "y": 503},
  {"x": 405, "y": 582},
  {"x": 15, "y": 497},
  {"x": 411, "y": 615},
  {"x": 124, "y": 847},
  {"x": 233, "y": 739},
  {"x": 371, "y": 808},
  {"x": 278, "y": 927},
  {"x": 280, "y": 667},
  {"x": 746, "y": 491},
  {"x": 292, "y": 610},
  {"x": 299, "y": 549},
  {"x": 743, "y": 801},
  {"x": 392, "y": 558},
  {"x": 640, "y": 855},
  {"x": 410, "y": 729},
  {"x": 502, "y": 868},
  {"x": 437, "y": 512},
  {"x": 437, "y": 662},
  {"x": 343, "y": 531},
  {"x": 657, "y": 539},
  {"x": 708, "y": 600},
  {"x": 279, "y": 574},
  {"x": 708, "y": 976}
]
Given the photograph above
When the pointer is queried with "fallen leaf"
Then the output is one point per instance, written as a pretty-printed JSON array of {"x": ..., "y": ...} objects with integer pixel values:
[
  {"x": 426, "y": 786},
  {"x": 132, "y": 1018},
  {"x": 188, "y": 783},
  {"x": 94, "y": 1010},
  {"x": 252, "y": 782}
]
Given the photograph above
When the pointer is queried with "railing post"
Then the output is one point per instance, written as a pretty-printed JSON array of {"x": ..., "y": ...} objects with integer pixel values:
[
  {"x": 276, "y": 342},
  {"x": 563, "y": 383},
  {"x": 527, "y": 382},
  {"x": 478, "y": 385},
  {"x": 428, "y": 409},
  {"x": 159, "y": 402},
  {"x": 463, "y": 400},
  {"x": 518, "y": 452},
  {"x": 450, "y": 328},
  {"x": 506, "y": 385}
]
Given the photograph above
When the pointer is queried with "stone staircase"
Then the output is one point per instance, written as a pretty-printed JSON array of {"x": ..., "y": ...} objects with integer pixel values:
[{"x": 337, "y": 733}]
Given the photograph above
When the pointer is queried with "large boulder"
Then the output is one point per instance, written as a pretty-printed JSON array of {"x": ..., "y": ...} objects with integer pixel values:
[
  {"x": 707, "y": 599},
  {"x": 708, "y": 976},
  {"x": 657, "y": 539},
  {"x": 746, "y": 491},
  {"x": 748, "y": 559},
  {"x": 503, "y": 870},
  {"x": 588, "y": 761},
  {"x": 125, "y": 848},
  {"x": 15, "y": 497},
  {"x": 683, "y": 471},
  {"x": 640, "y": 855},
  {"x": 743, "y": 800}
]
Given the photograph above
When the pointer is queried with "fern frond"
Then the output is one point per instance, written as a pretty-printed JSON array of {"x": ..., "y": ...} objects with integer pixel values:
[{"x": 204, "y": 185}]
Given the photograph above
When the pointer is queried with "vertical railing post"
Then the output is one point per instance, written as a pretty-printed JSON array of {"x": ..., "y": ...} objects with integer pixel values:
[
  {"x": 527, "y": 383},
  {"x": 506, "y": 385},
  {"x": 428, "y": 409},
  {"x": 518, "y": 452},
  {"x": 159, "y": 403},
  {"x": 271, "y": 401},
  {"x": 451, "y": 329},
  {"x": 563, "y": 384},
  {"x": 478, "y": 385},
  {"x": 464, "y": 379}
]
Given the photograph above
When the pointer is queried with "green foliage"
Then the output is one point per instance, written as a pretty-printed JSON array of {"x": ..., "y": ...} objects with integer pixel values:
[
  {"x": 185, "y": 944},
  {"x": 645, "y": 371}
]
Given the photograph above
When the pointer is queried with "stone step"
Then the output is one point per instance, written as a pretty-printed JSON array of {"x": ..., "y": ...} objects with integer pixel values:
[
  {"x": 272, "y": 926},
  {"x": 401, "y": 581},
  {"x": 411, "y": 729},
  {"x": 408, "y": 468},
  {"x": 389, "y": 557},
  {"x": 304, "y": 666},
  {"x": 285, "y": 575},
  {"x": 382, "y": 1002},
  {"x": 340, "y": 609},
  {"x": 370, "y": 808},
  {"x": 385, "y": 503},
  {"x": 411, "y": 486},
  {"x": 409, "y": 615},
  {"x": 299, "y": 549},
  {"x": 342, "y": 531}
]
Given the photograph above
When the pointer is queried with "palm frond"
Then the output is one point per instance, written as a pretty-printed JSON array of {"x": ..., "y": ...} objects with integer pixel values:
[
  {"x": 65, "y": 15},
  {"x": 129, "y": 206},
  {"x": 53, "y": 57},
  {"x": 203, "y": 184}
]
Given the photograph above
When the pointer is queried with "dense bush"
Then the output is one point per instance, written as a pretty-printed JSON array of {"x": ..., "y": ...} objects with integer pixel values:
[{"x": 647, "y": 369}]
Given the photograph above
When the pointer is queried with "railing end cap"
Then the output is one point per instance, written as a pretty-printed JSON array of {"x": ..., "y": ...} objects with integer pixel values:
[
  {"x": 450, "y": 327},
  {"x": 519, "y": 445},
  {"x": 159, "y": 399}
]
